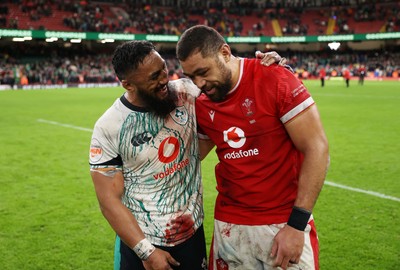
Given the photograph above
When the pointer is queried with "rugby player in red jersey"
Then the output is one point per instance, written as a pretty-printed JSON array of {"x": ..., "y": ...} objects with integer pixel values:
[{"x": 272, "y": 150}]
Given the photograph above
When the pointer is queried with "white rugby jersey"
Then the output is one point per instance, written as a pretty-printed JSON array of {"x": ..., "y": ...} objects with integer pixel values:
[{"x": 160, "y": 162}]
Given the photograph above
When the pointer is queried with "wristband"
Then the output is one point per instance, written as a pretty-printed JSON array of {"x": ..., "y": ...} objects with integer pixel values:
[
  {"x": 299, "y": 217},
  {"x": 143, "y": 249}
]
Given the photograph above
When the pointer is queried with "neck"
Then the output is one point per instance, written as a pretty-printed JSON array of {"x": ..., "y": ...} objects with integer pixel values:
[
  {"x": 134, "y": 100},
  {"x": 234, "y": 65}
]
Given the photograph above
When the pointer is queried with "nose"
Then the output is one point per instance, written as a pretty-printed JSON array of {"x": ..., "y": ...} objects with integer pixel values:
[
  {"x": 199, "y": 82},
  {"x": 163, "y": 77}
]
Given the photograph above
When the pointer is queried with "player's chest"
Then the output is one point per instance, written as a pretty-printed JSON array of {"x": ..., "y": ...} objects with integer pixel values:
[{"x": 248, "y": 115}]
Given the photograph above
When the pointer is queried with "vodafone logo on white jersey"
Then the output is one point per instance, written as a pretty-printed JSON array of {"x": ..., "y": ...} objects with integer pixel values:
[
  {"x": 234, "y": 136},
  {"x": 169, "y": 150}
]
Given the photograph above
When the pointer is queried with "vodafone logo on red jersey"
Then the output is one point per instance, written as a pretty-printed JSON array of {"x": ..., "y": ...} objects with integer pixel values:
[
  {"x": 169, "y": 150},
  {"x": 234, "y": 136}
]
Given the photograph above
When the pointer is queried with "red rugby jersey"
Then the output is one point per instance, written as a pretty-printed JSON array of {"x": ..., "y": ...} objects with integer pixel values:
[{"x": 258, "y": 167}]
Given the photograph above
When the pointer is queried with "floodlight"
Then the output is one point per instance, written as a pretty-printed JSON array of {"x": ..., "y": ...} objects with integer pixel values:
[{"x": 334, "y": 45}]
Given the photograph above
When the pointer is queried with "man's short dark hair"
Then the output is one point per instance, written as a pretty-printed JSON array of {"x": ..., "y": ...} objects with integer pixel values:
[
  {"x": 129, "y": 55},
  {"x": 199, "y": 38}
]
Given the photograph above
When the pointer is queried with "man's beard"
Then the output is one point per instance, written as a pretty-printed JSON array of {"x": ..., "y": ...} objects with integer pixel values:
[
  {"x": 222, "y": 89},
  {"x": 161, "y": 107}
]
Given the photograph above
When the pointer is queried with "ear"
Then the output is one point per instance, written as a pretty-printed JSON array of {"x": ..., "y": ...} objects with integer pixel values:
[
  {"x": 226, "y": 52},
  {"x": 128, "y": 86}
]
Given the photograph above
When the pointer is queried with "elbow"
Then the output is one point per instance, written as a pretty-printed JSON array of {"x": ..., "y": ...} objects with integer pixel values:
[
  {"x": 318, "y": 151},
  {"x": 104, "y": 209},
  {"x": 108, "y": 207},
  {"x": 324, "y": 153},
  {"x": 325, "y": 150}
]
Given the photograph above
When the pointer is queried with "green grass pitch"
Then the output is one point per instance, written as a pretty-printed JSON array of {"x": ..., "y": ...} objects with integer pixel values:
[{"x": 50, "y": 219}]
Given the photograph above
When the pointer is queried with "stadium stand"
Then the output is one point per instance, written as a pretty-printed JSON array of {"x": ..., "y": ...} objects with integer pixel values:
[
  {"x": 42, "y": 63},
  {"x": 246, "y": 19}
]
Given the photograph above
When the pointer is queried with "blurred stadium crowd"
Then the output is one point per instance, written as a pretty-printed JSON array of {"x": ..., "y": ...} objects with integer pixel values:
[
  {"x": 230, "y": 17},
  {"x": 29, "y": 65},
  {"x": 98, "y": 69}
]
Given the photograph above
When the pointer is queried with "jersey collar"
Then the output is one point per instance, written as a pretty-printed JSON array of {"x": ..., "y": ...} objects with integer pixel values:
[{"x": 131, "y": 106}]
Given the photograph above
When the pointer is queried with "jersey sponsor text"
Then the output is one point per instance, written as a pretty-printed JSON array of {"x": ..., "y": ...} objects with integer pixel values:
[
  {"x": 242, "y": 154},
  {"x": 177, "y": 167}
]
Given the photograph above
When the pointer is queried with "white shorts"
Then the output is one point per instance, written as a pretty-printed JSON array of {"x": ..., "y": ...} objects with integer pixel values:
[{"x": 243, "y": 247}]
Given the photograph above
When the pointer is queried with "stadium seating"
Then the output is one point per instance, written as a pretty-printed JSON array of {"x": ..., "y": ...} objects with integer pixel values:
[
  {"x": 255, "y": 23},
  {"x": 88, "y": 62},
  {"x": 53, "y": 22}
]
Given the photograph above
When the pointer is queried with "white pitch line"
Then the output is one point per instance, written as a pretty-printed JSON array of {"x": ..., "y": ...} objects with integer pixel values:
[
  {"x": 64, "y": 125},
  {"x": 353, "y": 95},
  {"x": 373, "y": 193}
]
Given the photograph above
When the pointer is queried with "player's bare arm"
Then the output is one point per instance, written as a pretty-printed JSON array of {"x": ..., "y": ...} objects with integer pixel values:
[
  {"x": 309, "y": 137},
  {"x": 307, "y": 134},
  {"x": 109, "y": 189},
  {"x": 205, "y": 146}
]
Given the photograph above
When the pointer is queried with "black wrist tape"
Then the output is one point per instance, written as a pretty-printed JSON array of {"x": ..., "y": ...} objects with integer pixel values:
[{"x": 299, "y": 218}]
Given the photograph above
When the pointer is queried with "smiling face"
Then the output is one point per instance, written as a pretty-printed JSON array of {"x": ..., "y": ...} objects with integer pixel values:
[
  {"x": 148, "y": 85},
  {"x": 210, "y": 74}
]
